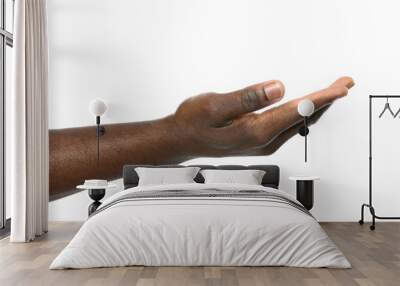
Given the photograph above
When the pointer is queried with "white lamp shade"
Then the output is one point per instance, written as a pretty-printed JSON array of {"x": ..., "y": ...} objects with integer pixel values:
[
  {"x": 97, "y": 107},
  {"x": 305, "y": 107}
]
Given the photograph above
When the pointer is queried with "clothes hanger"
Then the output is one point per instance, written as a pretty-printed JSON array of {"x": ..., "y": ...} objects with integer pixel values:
[
  {"x": 397, "y": 113},
  {"x": 387, "y": 107}
]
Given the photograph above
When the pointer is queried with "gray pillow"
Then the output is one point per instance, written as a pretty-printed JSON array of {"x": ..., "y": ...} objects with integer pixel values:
[
  {"x": 162, "y": 176},
  {"x": 247, "y": 177}
]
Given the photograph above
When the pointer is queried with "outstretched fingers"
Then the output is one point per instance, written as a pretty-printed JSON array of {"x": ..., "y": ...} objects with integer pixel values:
[
  {"x": 345, "y": 81},
  {"x": 273, "y": 121},
  {"x": 260, "y": 129}
]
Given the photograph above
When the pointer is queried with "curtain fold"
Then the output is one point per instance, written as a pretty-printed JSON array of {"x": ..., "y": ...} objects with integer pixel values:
[{"x": 28, "y": 123}]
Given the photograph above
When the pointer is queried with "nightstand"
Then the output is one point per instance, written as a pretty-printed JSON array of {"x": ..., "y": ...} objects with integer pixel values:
[
  {"x": 96, "y": 193},
  {"x": 305, "y": 190}
]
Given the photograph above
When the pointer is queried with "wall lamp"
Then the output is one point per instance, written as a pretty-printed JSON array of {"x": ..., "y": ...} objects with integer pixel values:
[
  {"x": 97, "y": 107},
  {"x": 305, "y": 108}
]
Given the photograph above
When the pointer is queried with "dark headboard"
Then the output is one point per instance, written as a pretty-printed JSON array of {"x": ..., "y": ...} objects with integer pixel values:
[{"x": 270, "y": 179}]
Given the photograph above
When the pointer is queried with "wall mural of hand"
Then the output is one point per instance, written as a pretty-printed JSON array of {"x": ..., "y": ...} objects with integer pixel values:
[{"x": 206, "y": 125}]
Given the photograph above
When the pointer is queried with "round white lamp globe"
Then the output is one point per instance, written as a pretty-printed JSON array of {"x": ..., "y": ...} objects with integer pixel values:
[
  {"x": 97, "y": 107},
  {"x": 305, "y": 107}
]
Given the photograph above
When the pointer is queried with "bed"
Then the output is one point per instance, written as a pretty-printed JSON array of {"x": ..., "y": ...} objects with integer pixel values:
[{"x": 201, "y": 224}]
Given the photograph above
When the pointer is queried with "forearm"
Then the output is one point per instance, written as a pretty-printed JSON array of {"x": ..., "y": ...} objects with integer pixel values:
[{"x": 73, "y": 151}]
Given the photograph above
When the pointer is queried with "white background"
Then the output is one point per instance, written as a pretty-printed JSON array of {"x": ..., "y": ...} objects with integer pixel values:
[{"x": 143, "y": 57}]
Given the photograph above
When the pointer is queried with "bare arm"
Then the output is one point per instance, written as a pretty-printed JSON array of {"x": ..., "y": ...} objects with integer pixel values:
[{"x": 211, "y": 124}]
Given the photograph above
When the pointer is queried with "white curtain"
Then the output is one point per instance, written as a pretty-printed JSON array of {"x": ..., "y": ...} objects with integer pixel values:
[{"x": 27, "y": 123}]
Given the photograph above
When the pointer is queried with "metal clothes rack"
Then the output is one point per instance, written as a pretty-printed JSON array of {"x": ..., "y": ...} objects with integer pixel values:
[{"x": 370, "y": 205}]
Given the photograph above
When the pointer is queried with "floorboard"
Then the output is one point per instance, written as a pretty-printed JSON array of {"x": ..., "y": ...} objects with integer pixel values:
[{"x": 375, "y": 257}]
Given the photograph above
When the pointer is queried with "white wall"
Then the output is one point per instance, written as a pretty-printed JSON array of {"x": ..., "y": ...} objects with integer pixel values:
[{"x": 146, "y": 56}]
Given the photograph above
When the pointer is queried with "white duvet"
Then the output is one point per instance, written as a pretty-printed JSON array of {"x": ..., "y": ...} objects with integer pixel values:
[{"x": 200, "y": 231}]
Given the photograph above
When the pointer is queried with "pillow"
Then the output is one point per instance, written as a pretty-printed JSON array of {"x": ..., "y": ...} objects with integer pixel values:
[
  {"x": 248, "y": 177},
  {"x": 162, "y": 176}
]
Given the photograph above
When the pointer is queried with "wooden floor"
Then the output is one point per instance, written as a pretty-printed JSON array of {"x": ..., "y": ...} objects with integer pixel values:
[{"x": 375, "y": 257}]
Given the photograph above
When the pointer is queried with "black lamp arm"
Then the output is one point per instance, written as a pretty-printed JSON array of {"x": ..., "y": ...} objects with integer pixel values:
[
  {"x": 100, "y": 130},
  {"x": 305, "y": 139},
  {"x": 303, "y": 131}
]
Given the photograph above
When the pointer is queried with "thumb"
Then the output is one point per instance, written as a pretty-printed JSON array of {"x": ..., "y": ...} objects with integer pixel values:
[{"x": 249, "y": 99}]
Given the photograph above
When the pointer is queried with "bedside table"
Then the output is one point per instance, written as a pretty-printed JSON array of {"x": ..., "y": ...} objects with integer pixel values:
[
  {"x": 305, "y": 190},
  {"x": 96, "y": 194}
]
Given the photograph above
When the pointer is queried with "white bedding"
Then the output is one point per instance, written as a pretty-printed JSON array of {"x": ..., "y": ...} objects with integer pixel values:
[{"x": 200, "y": 231}]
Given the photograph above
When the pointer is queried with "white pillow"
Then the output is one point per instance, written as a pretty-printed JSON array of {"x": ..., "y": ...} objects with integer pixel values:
[
  {"x": 248, "y": 177},
  {"x": 162, "y": 176}
]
